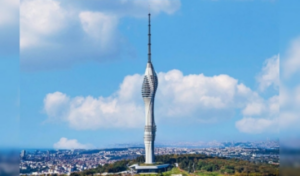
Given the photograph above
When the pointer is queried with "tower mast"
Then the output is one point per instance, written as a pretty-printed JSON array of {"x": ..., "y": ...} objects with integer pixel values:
[{"x": 149, "y": 39}]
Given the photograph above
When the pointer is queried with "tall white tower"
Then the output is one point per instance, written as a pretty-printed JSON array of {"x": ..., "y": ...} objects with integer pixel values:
[{"x": 148, "y": 92}]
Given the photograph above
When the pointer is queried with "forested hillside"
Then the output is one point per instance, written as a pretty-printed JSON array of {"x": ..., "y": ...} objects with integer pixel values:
[{"x": 197, "y": 164}]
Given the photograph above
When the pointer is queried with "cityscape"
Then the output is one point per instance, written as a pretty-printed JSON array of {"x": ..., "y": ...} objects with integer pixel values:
[{"x": 36, "y": 162}]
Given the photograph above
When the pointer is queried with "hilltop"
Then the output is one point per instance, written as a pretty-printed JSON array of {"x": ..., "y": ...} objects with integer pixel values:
[{"x": 192, "y": 164}]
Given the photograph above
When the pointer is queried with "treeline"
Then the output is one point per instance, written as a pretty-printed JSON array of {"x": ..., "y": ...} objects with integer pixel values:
[
  {"x": 115, "y": 167},
  {"x": 194, "y": 163},
  {"x": 226, "y": 166},
  {"x": 201, "y": 162}
]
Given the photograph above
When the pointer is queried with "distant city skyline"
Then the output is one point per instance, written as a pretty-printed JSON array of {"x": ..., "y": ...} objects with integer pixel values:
[
  {"x": 75, "y": 78},
  {"x": 178, "y": 144}
]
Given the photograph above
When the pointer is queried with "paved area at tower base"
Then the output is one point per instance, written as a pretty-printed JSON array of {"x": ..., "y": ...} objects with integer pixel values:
[{"x": 150, "y": 169}]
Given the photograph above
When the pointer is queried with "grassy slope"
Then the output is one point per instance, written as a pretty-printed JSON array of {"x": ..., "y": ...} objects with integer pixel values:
[{"x": 176, "y": 170}]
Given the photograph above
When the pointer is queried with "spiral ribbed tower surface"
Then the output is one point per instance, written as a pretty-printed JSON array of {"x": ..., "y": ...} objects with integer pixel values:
[{"x": 149, "y": 87}]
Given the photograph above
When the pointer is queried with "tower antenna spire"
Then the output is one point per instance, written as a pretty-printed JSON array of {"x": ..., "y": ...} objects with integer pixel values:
[{"x": 149, "y": 38}]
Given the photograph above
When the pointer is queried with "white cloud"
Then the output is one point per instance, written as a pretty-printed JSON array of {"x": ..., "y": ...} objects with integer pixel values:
[
  {"x": 99, "y": 26},
  {"x": 163, "y": 5},
  {"x": 270, "y": 74},
  {"x": 289, "y": 107},
  {"x": 291, "y": 61},
  {"x": 156, "y": 6},
  {"x": 257, "y": 125},
  {"x": 9, "y": 12},
  {"x": 259, "y": 106},
  {"x": 119, "y": 110},
  {"x": 52, "y": 31},
  {"x": 39, "y": 19},
  {"x": 261, "y": 115},
  {"x": 197, "y": 97},
  {"x": 65, "y": 143},
  {"x": 55, "y": 105},
  {"x": 290, "y": 90},
  {"x": 254, "y": 108}
]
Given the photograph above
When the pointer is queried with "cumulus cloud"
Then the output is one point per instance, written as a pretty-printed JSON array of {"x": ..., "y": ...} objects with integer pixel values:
[
  {"x": 291, "y": 61},
  {"x": 9, "y": 12},
  {"x": 55, "y": 104},
  {"x": 270, "y": 74},
  {"x": 39, "y": 19},
  {"x": 290, "y": 89},
  {"x": 65, "y": 143},
  {"x": 52, "y": 31},
  {"x": 260, "y": 106},
  {"x": 260, "y": 114},
  {"x": 200, "y": 98},
  {"x": 119, "y": 110},
  {"x": 289, "y": 107},
  {"x": 206, "y": 99},
  {"x": 100, "y": 27},
  {"x": 256, "y": 126},
  {"x": 154, "y": 6}
]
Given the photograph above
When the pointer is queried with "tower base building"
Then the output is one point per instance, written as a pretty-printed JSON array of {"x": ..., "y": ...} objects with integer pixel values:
[{"x": 149, "y": 169}]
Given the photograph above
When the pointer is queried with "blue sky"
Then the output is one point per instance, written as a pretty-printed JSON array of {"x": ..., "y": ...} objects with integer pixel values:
[
  {"x": 81, "y": 65},
  {"x": 9, "y": 74}
]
